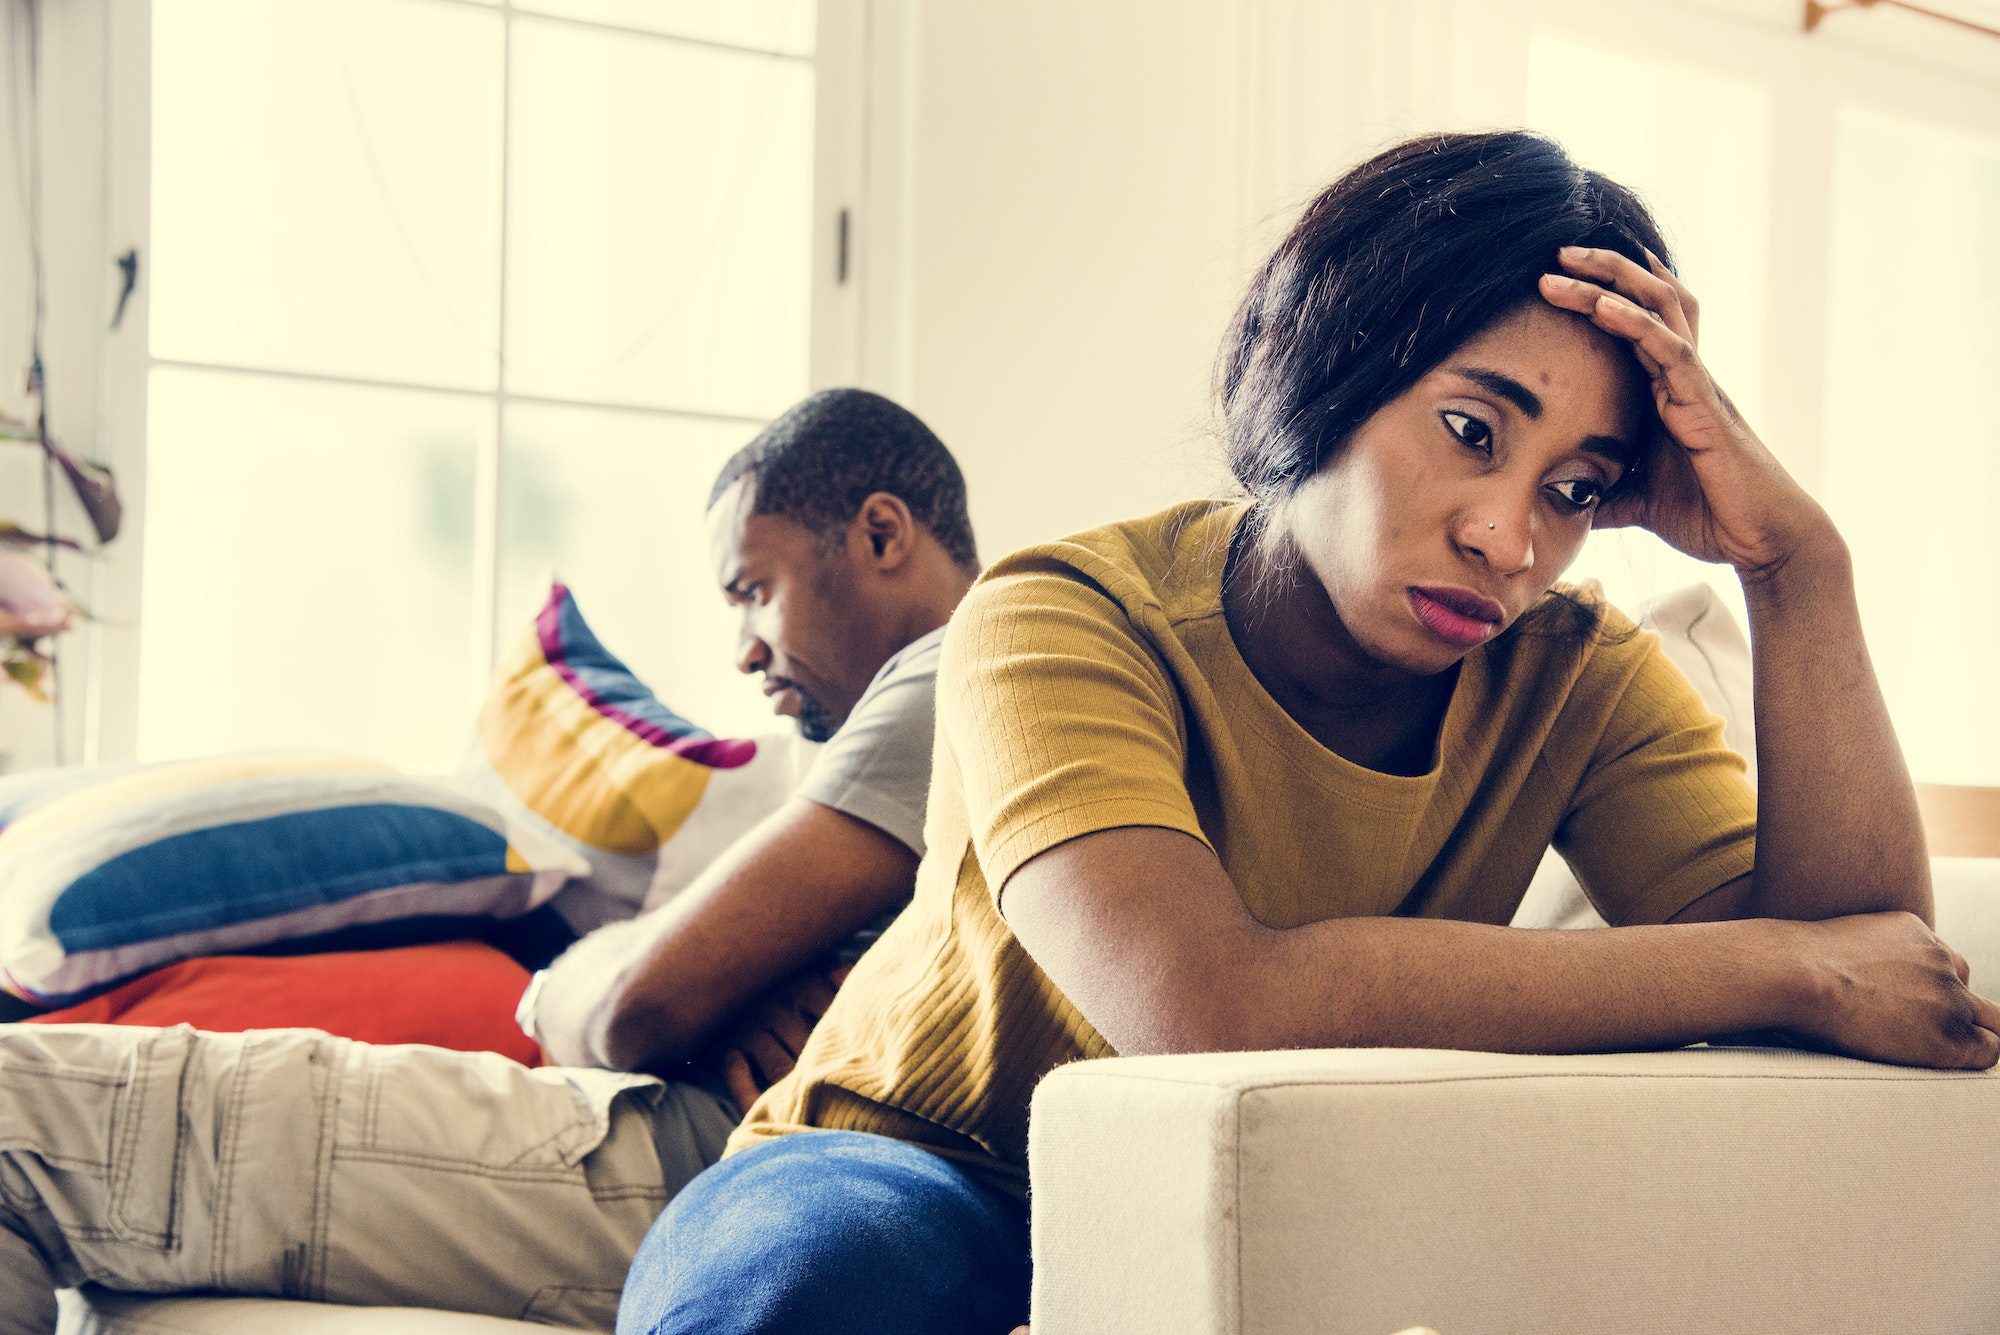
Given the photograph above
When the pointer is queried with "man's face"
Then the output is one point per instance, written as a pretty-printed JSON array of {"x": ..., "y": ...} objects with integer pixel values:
[{"x": 805, "y": 625}]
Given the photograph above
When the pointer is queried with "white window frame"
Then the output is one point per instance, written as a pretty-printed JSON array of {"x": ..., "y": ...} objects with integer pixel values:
[{"x": 105, "y": 728}]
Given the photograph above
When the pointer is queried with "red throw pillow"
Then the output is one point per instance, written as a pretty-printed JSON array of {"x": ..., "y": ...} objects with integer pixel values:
[{"x": 457, "y": 994}]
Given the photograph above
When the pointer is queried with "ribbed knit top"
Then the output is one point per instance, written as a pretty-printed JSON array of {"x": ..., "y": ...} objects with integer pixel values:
[{"x": 1093, "y": 683}]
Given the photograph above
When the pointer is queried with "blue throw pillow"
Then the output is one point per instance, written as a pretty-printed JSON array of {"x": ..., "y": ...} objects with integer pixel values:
[{"x": 106, "y": 874}]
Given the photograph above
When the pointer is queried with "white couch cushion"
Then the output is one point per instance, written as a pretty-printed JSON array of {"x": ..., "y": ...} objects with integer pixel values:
[
  {"x": 99, "y": 1312},
  {"x": 1359, "y": 1192}
]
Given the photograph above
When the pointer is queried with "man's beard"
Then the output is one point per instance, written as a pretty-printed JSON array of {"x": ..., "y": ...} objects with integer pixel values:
[{"x": 816, "y": 723}]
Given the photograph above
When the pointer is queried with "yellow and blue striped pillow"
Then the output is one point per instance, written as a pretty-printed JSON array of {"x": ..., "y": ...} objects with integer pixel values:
[
  {"x": 108, "y": 873},
  {"x": 573, "y": 746}
]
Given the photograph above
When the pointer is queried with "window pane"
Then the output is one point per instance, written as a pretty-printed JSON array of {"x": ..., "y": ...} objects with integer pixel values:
[
  {"x": 663, "y": 266},
  {"x": 308, "y": 568},
  {"x": 1705, "y": 171},
  {"x": 766, "y": 25},
  {"x": 1912, "y": 475},
  {"x": 326, "y": 187},
  {"x": 612, "y": 503}
]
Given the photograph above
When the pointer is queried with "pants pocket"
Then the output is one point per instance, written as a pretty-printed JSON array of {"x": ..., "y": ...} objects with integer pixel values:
[
  {"x": 572, "y": 1305},
  {"x": 93, "y": 1126},
  {"x": 482, "y": 1110}
]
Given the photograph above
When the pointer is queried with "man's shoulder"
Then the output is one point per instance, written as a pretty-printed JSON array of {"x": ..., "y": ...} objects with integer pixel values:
[
  {"x": 904, "y": 685},
  {"x": 914, "y": 661},
  {"x": 876, "y": 768}
]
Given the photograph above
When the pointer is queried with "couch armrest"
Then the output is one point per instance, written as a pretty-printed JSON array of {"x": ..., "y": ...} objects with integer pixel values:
[
  {"x": 1359, "y": 1192},
  {"x": 1966, "y": 893},
  {"x": 1960, "y": 821}
]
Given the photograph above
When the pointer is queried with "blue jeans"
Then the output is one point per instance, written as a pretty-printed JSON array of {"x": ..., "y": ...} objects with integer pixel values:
[{"x": 827, "y": 1233}]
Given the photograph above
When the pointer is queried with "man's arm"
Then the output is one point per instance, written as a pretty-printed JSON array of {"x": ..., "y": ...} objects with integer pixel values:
[
  {"x": 1141, "y": 928},
  {"x": 791, "y": 889}
]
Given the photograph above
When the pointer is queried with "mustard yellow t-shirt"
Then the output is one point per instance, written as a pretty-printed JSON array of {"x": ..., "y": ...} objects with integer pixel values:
[{"x": 1093, "y": 683}]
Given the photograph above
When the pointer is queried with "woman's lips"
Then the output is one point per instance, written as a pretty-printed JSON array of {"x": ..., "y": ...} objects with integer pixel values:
[{"x": 1451, "y": 623}]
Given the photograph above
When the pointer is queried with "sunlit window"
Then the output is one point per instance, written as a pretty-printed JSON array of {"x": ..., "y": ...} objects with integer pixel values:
[
  {"x": 1910, "y": 351},
  {"x": 448, "y": 297},
  {"x": 1705, "y": 171},
  {"x": 1912, "y": 474}
]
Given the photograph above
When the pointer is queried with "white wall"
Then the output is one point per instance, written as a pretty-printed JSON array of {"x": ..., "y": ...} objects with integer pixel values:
[
  {"x": 1075, "y": 199},
  {"x": 1063, "y": 239}
]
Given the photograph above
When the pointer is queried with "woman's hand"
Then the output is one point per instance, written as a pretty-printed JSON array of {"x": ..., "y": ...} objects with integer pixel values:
[
  {"x": 1709, "y": 487},
  {"x": 1890, "y": 990}
]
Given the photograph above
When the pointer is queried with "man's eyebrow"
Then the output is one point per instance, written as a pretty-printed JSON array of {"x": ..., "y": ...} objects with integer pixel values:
[{"x": 1506, "y": 386}]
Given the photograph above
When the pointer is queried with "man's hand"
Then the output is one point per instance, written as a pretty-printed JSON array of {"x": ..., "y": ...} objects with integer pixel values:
[
  {"x": 763, "y": 1046},
  {"x": 793, "y": 888}
]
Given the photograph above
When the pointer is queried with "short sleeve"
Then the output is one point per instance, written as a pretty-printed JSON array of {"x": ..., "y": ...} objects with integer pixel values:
[
  {"x": 877, "y": 768},
  {"x": 1664, "y": 812},
  {"x": 1060, "y": 718}
]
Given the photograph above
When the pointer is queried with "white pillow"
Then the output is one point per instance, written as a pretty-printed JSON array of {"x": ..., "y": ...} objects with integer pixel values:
[{"x": 1702, "y": 636}]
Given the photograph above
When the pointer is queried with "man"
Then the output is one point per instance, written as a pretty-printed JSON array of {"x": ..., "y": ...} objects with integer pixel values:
[
  {"x": 289, "y": 1163},
  {"x": 846, "y": 563}
]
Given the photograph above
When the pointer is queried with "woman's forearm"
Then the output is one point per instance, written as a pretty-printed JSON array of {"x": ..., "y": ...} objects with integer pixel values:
[
  {"x": 1837, "y": 824},
  {"x": 1411, "y": 982},
  {"x": 1143, "y": 932}
]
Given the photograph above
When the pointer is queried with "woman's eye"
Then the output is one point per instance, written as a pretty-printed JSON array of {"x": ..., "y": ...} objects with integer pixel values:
[
  {"x": 1470, "y": 431},
  {"x": 1585, "y": 493}
]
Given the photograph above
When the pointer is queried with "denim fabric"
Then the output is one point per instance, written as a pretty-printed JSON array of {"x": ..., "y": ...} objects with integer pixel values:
[{"x": 832, "y": 1233}]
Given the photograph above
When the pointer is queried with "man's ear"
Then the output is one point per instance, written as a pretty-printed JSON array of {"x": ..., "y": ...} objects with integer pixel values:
[{"x": 887, "y": 530}]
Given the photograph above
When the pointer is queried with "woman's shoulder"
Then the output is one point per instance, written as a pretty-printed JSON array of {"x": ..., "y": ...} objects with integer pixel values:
[
  {"x": 1121, "y": 591},
  {"x": 1155, "y": 565},
  {"x": 1589, "y": 664},
  {"x": 1573, "y": 644}
]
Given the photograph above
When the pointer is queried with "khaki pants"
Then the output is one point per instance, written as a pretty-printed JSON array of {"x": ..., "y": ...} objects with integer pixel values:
[{"x": 287, "y": 1163}]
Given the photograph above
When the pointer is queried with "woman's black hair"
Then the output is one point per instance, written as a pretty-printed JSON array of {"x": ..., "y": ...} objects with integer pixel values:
[{"x": 1391, "y": 267}]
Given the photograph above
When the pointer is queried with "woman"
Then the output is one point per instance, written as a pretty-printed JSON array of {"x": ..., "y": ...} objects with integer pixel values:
[{"x": 1276, "y": 772}]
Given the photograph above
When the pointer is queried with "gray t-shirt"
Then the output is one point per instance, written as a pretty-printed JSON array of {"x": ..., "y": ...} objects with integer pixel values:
[{"x": 877, "y": 768}]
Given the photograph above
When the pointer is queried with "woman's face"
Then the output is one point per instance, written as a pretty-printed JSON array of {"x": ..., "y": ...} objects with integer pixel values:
[{"x": 1457, "y": 504}]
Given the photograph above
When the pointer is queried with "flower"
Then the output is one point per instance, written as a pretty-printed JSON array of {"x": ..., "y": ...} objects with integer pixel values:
[{"x": 32, "y": 604}]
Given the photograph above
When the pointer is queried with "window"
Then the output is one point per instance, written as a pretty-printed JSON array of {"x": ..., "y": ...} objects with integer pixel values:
[
  {"x": 1912, "y": 476},
  {"x": 448, "y": 297},
  {"x": 1706, "y": 174},
  {"x": 1834, "y": 207}
]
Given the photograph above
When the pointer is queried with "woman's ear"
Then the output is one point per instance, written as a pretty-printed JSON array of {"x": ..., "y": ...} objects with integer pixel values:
[{"x": 885, "y": 524}]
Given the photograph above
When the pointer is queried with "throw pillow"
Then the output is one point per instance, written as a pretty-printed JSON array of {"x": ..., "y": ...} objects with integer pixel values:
[
  {"x": 457, "y": 994},
  {"x": 107, "y": 874},
  {"x": 573, "y": 746}
]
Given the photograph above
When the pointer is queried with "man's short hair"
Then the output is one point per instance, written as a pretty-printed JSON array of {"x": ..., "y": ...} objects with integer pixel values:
[{"x": 816, "y": 465}]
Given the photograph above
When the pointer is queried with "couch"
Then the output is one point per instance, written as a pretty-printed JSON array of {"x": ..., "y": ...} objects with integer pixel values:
[
  {"x": 1696, "y": 1192},
  {"x": 1704, "y": 1191}
]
